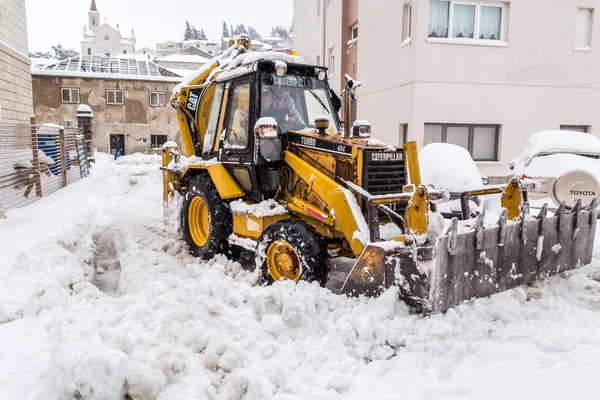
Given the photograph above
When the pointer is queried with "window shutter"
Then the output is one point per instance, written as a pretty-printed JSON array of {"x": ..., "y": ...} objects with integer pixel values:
[
  {"x": 119, "y": 97},
  {"x": 110, "y": 98},
  {"x": 66, "y": 98}
]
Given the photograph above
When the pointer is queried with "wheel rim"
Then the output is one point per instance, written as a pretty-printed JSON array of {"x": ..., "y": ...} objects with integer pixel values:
[
  {"x": 283, "y": 261},
  {"x": 199, "y": 221}
]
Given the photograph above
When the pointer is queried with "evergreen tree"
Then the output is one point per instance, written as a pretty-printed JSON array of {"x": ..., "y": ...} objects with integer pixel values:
[
  {"x": 232, "y": 31},
  {"x": 253, "y": 33},
  {"x": 225, "y": 32},
  {"x": 280, "y": 31},
  {"x": 40, "y": 54},
  {"x": 202, "y": 35},
  {"x": 189, "y": 32},
  {"x": 240, "y": 30}
]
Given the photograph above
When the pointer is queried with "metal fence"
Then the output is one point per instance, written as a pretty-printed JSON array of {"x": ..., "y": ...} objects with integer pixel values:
[{"x": 38, "y": 160}]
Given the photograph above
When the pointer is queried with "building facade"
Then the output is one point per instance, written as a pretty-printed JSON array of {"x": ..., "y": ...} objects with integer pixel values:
[
  {"x": 483, "y": 75},
  {"x": 102, "y": 39},
  {"x": 16, "y": 102},
  {"x": 129, "y": 100},
  {"x": 169, "y": 48}
]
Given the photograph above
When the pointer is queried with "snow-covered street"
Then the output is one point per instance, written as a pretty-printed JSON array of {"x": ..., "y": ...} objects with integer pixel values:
[{"x": 166, "y": 325}]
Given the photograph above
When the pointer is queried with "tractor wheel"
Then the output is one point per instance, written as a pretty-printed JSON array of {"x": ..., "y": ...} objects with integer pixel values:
[
  {"x": 288, "y": 250},
  {"x": 206, "y": 219}
]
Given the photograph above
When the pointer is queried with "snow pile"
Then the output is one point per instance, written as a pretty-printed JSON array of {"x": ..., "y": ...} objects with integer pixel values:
[
  {"x": 140, "y": 159},
  {"x": 450, "y": 167},
  {"x": 181, "y": 328},
  {"x": 267, "y": 208}
]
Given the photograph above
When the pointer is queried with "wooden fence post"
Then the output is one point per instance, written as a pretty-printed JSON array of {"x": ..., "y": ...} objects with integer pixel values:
[
  {"x": 37, "y": 174},
  {"x": 63, "y": 156}
]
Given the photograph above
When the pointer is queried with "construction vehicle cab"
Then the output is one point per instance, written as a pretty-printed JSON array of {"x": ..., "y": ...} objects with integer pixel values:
[{"x": 269, "y": 168}]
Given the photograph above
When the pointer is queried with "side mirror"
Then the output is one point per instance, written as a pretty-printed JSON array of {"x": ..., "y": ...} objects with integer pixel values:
[
  {"x": 512, "y": 165},
  {"x": 321, "y": 75}
]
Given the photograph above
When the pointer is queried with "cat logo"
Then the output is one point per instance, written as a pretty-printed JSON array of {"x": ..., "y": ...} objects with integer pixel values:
[{"x": 192, "y": 102}]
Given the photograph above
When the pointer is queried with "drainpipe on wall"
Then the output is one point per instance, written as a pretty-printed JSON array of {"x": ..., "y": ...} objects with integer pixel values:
[{"x": 323, "y": 26}]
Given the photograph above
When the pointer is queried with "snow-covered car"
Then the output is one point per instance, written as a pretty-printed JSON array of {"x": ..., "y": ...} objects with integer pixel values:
[
  {"x": 567, "y": 163},
  {"x": 450, "y": 167}
]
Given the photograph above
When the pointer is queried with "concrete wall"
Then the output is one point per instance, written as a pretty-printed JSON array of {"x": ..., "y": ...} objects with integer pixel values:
[
  {"x": 136, "y": 119},
  {"x": 15, "y": 76},
  {"x": 307, "y": 35},
  {"x": 535, "y": 81}
]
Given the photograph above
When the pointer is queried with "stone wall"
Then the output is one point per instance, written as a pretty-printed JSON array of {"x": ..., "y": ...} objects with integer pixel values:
[
  {"x": 136, "y": 120},
  {"x": 15, "y": 76}
]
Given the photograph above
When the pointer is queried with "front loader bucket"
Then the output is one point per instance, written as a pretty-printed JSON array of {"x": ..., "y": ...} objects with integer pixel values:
[{"x": 468, "y": 265}]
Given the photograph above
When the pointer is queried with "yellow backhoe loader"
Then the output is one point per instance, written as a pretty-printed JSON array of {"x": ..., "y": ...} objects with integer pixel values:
[{"x": 267, "y": 167}]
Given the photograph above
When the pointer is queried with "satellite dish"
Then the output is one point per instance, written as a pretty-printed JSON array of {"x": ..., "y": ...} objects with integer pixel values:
[{"x": 575, "y": 185}]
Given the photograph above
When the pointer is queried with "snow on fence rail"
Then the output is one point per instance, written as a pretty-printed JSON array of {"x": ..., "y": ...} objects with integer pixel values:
[{"x": 38, "y": 160}]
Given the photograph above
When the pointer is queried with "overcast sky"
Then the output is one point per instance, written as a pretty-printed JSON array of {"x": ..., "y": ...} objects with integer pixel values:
[{"x": 51, "y": 22}]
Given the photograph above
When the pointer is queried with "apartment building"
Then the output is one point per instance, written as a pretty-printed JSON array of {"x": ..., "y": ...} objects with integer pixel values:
[
  {"x": 483, "y": 75},
  {"x": 16, "y": 102}
]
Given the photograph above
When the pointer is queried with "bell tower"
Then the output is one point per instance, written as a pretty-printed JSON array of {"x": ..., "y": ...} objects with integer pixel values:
[{"x": 93, "y": 16}]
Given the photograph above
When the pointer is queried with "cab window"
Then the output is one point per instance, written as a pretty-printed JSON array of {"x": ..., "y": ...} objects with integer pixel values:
[
  {"x": 237, "y": 132},
  {"x": 213, "y": 121}
]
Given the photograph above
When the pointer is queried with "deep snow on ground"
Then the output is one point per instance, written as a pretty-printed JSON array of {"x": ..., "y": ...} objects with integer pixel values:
[{"x": 170, "y": 326}]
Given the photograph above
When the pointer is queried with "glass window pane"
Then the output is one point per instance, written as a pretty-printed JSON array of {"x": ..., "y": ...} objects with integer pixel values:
[
  {"x": 213, "y": 121},
  {"x": 490, "y": 24},
  {"x": 433, "y": 133},
  {"x": 463, "y": 21},
  {"x": 237, "y": 134},
  {"x": 438, "y": 18},
  {"x": 484, "y": 144},
  {"x": 582, "y": 29},
  {"x": 458, "y": 135}
]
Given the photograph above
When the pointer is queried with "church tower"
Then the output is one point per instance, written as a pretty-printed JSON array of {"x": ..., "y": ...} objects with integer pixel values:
[{"x": 93, "y": 17}]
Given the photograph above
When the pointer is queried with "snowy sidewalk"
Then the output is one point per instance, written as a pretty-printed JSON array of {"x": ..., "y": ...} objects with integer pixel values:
[{"x": 178, "y": 328}]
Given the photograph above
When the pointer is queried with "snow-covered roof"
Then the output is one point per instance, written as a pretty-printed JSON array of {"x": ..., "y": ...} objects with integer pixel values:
[
  {"x": 184, "y": 58},
  {"x": 272, "y": 39},
  {"x": 125, "y": 41},
  {"x": 108, "y": 67}
]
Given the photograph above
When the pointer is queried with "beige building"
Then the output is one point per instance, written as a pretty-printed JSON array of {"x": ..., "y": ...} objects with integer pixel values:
[
  {"x": 483, "y": 75},
  {"x": 169, "y": 48},
  {"x": 102, "y": 39},
  {"x": 129, "y": 99},
  {"x": 15, "y": 77}
]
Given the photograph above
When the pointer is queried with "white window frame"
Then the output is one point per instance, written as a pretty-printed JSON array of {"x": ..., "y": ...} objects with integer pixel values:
[
  {"x": 352, "y": 37},
  {"x": 156, "y": 102},
  {"x": 115, "y": 92},
  {"x": 590, "y": 29},
  {"x": 71, "y": 90},
  {"x": 407, "y": 24},
  {"x": 475, "y": 40},
  {"x": 331, "y": 61}
]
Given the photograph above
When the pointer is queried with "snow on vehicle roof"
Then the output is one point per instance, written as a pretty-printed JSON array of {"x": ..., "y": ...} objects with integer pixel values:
[
  {"x": 450, "y": 167},
  {"x": 549, "y": 142},
  {"x": 229, "y": 61},
  {"x": 561, "y": 141}
]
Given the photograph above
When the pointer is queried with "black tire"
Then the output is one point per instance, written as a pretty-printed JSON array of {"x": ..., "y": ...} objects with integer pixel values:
[
  {"x": 310, "y": 248},
  {"x": 221, "y": 220}
]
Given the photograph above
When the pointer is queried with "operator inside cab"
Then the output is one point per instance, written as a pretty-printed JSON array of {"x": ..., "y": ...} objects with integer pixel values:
[{"x": 277, "y": 103}]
